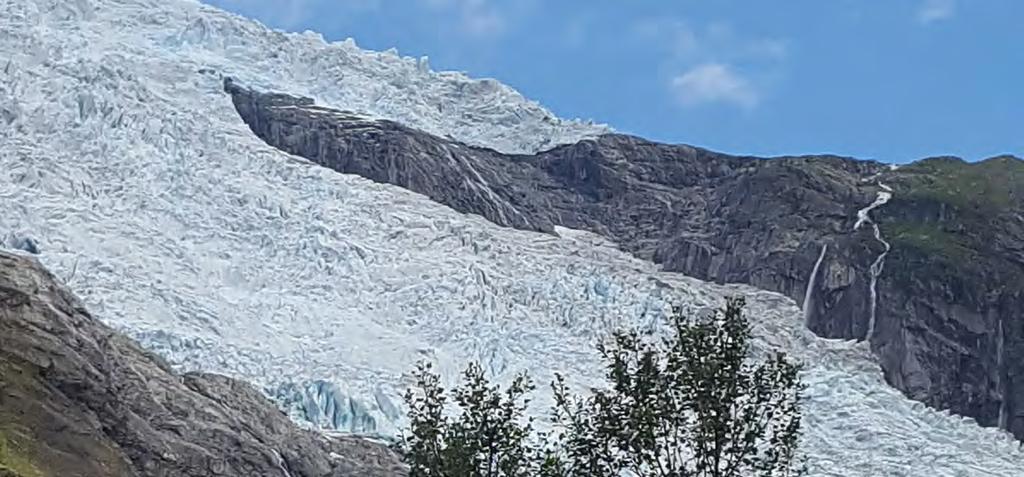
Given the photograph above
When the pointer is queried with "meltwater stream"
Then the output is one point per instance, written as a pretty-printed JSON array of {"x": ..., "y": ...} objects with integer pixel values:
[
  {"x": 225, "y": 255},
  {"x": 864, "y": 215}
]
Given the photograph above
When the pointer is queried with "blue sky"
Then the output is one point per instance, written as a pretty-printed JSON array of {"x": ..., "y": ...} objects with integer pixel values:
[{"x": 889, "y": 80}]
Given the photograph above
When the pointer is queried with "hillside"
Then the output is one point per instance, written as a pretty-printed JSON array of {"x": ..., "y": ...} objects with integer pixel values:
[
  {"x": 936, "y": 291},
  {"x": 132, "y": 175},
  {"x": 80, "y": 399}
]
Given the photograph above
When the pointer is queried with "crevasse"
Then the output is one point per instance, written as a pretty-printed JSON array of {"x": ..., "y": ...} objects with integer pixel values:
[
  {"x": 864, "y": 216},
  {"x": 225, "y": 255}
]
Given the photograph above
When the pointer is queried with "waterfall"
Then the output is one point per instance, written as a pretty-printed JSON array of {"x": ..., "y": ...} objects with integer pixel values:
[
  {"x": 280, "y": 463},
  {"x": 809, "y": 291},
  {"x": 1000, "y": 386},
  {"x": 864, "y": 216}
]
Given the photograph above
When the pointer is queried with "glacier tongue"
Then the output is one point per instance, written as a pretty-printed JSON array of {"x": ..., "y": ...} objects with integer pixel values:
[
  {"x": 325, "y": 406},
  {"x": 126, "y": 163}
]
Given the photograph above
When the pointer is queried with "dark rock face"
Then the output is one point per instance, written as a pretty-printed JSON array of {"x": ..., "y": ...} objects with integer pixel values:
[
  {"x": 951, "y": 307},
  {"x": 77, "y": 398},
  {"x": 741, "y": 220},
  {"x": 467, "y": 179},
  {"x": 713, "y": 216}
]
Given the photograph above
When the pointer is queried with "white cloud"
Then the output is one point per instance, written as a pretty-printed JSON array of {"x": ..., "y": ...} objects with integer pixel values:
[
  {"x": 702, "y": 61},
  {"x": 672, "y": 34},
  {"x": 769, "y": 49},
  {"x": 479, "y": 19},
  {"x": 936, "y": 10},
  {"x": 474, "y": 17},
  {"x": 714, "y": 83}
]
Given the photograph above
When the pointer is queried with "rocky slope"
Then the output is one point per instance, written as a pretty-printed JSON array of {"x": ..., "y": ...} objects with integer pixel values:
[
  {"x": 951, "y": 301},
  {"x": 79, "y": 399},
  {"x": 128, "y": 170},
  {"x": 941, "y": 308}
]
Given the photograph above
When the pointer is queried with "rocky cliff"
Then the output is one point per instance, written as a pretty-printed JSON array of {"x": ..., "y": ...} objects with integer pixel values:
[
  {"x": 951, "y": 300},
  {"x": 79, "y": 399},
  {"x": 929, "y": 277}
]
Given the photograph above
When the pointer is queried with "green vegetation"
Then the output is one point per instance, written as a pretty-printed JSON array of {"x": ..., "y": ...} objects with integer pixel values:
[
  {"x": 29, "y": 406},
  {"x": 689, "y": 404},
  {"x": 14, "y": 456},
  {"x": 977, "y": 195},
  {"x": 489, "y": 437},
  {"x": 929, "y": 238},
  {"x": 15, "y": 450},
  {"x": 985, "y": 186}
]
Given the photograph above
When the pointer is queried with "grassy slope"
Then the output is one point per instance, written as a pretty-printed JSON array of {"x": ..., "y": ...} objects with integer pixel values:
[
  {"x": 17, "y": 449},
  {"x": 980, "y": 195},
  {"x": 987, "y": 186}
]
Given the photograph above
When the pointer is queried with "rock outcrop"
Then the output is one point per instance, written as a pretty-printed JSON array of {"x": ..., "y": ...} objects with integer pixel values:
[
  {"x": 947, "y": 322},
  {"x": 711, "y": 216},
  {"x": 79, "y": 399},
  {"x": 951, "y": 304}
]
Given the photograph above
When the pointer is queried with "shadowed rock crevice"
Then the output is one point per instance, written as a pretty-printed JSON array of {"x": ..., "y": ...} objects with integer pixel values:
[
  {"x": 77, "y": 398},
  {"x": 732, "y": 219}
]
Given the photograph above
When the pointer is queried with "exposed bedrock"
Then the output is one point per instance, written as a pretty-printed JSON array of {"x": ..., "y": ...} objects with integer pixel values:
[
  {"x": 745, "y": 220},
  {"x": 78, "y": 398}
]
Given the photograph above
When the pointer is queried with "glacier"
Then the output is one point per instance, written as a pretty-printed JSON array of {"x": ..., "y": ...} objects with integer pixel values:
[{"x": 127, "y": 166}]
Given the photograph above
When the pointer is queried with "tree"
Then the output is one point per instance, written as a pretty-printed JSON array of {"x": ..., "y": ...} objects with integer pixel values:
[
  {"x": 424, "y": 448},
  {"x": 488, "y": 438},
  {"x": 689, "y": 404}
]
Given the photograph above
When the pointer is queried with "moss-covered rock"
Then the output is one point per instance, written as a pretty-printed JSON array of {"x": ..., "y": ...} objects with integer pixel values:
[
  {"x": 16, "y": 457},
  {"x": 951, "y": 298},
  {"x": 929, "y": 238},
  {"x": 989, "y": 186}
]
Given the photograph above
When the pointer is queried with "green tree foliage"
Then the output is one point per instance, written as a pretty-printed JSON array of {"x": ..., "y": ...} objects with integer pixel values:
[
  {"x": 690, "y": 404},
  {"x": 488, "y": 438}
]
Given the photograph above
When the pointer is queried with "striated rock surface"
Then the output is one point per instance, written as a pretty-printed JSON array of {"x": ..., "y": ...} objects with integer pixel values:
[
  {"x": 951, "y": 299},
  {"x": 944, "y": 317},
  {"x": 79, "y": 399}
]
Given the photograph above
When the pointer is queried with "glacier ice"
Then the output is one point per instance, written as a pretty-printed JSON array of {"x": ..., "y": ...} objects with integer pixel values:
[
  {"x": 17, "y": 241},
  {"x": 131, "y": 169},
  {"x": 325, "y": 406}
]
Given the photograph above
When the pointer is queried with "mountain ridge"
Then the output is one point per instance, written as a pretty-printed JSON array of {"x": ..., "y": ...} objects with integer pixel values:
[
  {"x": 767, "y": 222},
  {"x": 133, "y": 176}
]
